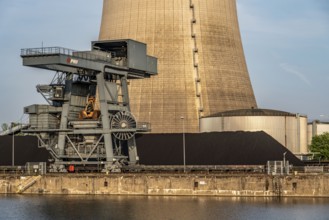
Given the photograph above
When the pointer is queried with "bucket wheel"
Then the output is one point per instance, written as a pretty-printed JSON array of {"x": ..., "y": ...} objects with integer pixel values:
[{"x": 125, "y": 122}]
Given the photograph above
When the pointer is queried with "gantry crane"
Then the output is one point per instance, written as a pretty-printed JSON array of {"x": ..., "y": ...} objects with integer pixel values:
[{"x": 87, "y": 120}]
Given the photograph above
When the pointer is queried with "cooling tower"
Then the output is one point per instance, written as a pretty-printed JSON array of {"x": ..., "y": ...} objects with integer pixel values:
[{"x": 201, "y": 64}]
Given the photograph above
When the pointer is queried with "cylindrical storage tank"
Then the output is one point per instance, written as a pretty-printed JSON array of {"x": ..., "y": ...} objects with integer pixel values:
[
  {"x": 316, "y": 128},
  {"x": 201, "y": 64},
  {"x": 288, "y": 129}
]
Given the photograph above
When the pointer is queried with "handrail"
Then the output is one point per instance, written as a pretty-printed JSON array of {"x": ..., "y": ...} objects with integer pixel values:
[{"x": 46, "y": 51}]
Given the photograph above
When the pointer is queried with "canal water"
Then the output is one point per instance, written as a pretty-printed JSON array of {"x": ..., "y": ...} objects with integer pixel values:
[{"x": 158, "y": 208}]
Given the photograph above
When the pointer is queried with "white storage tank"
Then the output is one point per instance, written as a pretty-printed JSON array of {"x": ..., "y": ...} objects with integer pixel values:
[
  {"x": 288, "y": 129},
  {"x": 316, "y": 128}
]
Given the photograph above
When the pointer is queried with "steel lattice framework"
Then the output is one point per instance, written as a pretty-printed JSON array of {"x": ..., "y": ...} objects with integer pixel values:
[{"x": 87, "y": 120}]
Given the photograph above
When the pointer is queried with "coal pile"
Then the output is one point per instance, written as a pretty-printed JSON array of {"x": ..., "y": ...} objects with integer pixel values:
[
  {"x": 26, "y": 150},
  {"x": 215, "y": 148}
]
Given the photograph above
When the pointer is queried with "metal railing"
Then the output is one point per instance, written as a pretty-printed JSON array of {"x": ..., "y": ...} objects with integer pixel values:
[
  {"x": 224, "y": 169},
  {"x": 197, "y": 168},
  {"x": 12, "y": 170},
  {"x": 143, "y": 126},
  {"x": 46, "y": 51},
  {"x": 87, "y": 55},
  {"x": 31, "y": 168}
]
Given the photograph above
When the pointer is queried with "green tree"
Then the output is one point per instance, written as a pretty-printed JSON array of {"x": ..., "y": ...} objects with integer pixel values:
[
  {"x": 320, "y": 146},
  {"x": 4, "y": 127}
]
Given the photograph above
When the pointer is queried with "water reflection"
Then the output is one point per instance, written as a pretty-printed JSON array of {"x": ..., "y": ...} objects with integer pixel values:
[{"x": 157, "y": 207}]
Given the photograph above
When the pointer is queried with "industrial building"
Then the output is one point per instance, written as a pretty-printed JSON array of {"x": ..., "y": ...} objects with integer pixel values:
[
  {"x": 197, "y": 88},
  {"x": 288, "y": 129},
  {"x": 316, "y": 128}
]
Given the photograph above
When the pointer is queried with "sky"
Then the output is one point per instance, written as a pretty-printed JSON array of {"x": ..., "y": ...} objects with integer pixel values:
[{"x": 286, "y": 44}]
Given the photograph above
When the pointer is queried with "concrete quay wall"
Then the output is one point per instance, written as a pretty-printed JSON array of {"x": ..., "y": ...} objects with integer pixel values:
[{"x": 309, "y": 185}]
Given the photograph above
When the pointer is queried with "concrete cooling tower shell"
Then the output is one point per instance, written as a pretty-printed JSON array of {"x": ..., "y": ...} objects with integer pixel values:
[{"x": 201, "y": 64}]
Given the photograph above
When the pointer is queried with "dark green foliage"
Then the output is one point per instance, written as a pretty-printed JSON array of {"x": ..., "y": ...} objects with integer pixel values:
[
  {"x": 4, "y": 127},
  {"x": 320, "y": 146}
]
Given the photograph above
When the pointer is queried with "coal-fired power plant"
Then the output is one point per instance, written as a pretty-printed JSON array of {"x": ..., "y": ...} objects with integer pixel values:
[
  {"x": 201, "y": 64},
  {"x": 175, "y": 69}
]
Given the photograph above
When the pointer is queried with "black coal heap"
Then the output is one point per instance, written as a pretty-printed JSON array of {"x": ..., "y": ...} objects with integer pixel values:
[
  {"x": 215, "y": 148},
  {"x": 26, "y": 150}
]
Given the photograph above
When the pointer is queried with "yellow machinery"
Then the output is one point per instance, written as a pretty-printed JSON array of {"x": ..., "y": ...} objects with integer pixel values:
[{"x": 90, "y": 112}]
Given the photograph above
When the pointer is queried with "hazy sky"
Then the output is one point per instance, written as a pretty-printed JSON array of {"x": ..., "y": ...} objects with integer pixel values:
[{"x": 286, "y": 43}]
